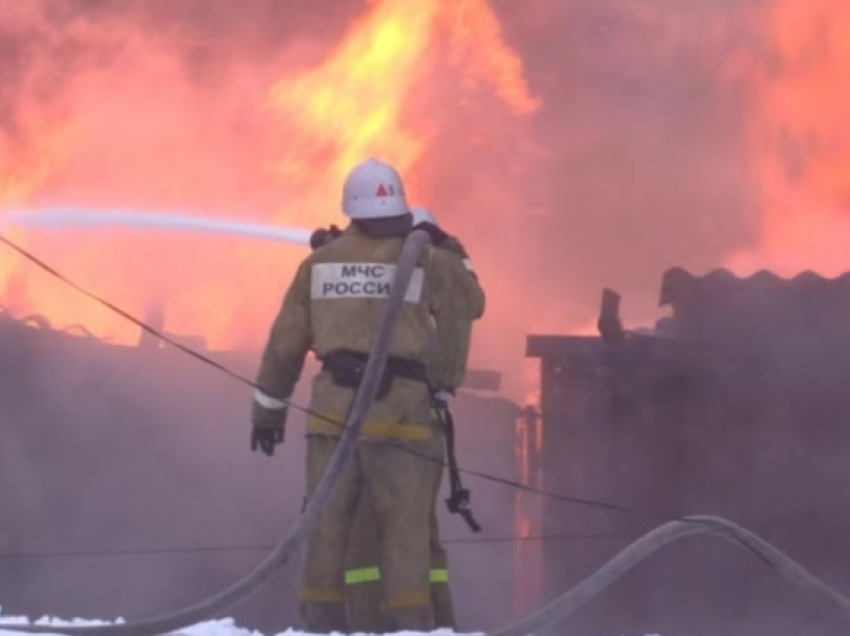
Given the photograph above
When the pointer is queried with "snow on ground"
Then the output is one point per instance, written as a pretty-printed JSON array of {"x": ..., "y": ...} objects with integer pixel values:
[{"x": 225, "y": 627}]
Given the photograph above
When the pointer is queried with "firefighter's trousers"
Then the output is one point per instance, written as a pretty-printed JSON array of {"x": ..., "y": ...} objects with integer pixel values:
[
  {"x": 400, "y": 486},
  {"x": 363, "y": 576}
]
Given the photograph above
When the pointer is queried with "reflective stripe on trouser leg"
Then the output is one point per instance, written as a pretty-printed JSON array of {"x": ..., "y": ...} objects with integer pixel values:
[
  {"x": 363, "y": 592},
  {"x": 441, "y": 594},
  {"x": 373, "y": 574},
  {"x": 362, "y": 575},
  {"x": 408, "y": 600},
  {"x": 441, "y": 599},
  {"x": 439, "y": 576},
  {"x": 363, "y": 601},
  {"x": 322, "y": 589},
  {"x": 401, "y": 487}
]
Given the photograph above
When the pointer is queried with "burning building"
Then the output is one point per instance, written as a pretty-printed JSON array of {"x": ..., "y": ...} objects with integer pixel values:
[{"x": 570, "y": 145}]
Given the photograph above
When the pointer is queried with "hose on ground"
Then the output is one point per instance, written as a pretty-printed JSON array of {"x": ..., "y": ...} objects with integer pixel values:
[
  {"x": 566, "y": 604},
  {"x": 227, "y": 599}
]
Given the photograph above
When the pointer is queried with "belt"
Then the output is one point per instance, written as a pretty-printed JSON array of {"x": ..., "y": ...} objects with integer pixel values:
[{"x": 347, "y": 369}]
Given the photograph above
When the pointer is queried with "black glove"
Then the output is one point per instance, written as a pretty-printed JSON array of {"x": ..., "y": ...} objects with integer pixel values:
[
  {"x": 324, "y": 236},
  {"x": 265, "y": 439},
  {"x": 268, "y": 426},
  {"x": 437, "y": 235}
]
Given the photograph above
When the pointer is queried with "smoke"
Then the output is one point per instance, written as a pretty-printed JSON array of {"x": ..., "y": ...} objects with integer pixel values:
[
  {"x": 633, "y": 161},
  {"x": 643, "y": 138},
  {"x": 107, "y": 451},
  {"x": 144, "y": 453}
]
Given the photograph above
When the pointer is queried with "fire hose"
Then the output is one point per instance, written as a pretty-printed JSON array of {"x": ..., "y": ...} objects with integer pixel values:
[
  {"x": 225, "y": 600},
  {"x": 556, "y": 611},
  {"x": 566, "y": 604}
]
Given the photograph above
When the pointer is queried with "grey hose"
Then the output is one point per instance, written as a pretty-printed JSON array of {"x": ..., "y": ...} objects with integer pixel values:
[
  {"x": 225, "y": 600},
  {"x": 563, "y": 606}
]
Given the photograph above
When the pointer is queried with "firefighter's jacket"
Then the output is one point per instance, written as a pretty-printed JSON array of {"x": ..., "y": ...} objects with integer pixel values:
[
  {"x": 444, "y": 372},
  {"x": 336, "y": 302},
  {"x": 475, "y": 291}
]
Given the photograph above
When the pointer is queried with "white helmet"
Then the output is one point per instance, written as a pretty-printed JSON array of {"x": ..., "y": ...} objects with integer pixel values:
[
  {"x": 373, "y": 190},
  {"x": 421, "y": 215}
]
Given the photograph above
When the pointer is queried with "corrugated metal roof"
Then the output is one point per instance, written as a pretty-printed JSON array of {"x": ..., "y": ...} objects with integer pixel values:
[
  {"x": 805, "y": 318},
  {"x": 678, "y": 286}
]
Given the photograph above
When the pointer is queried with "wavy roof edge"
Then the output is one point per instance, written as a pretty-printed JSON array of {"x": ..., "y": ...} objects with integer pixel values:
[
  {"x": 676, "y": 279},
  {"x": 721, "y": 272}
]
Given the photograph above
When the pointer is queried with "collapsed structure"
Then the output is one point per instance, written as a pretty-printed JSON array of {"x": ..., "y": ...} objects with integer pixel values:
[{"x": 736, "y": 405}]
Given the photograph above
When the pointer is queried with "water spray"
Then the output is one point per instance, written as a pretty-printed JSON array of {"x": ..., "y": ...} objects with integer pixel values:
[{"x": 56, "y": 218}]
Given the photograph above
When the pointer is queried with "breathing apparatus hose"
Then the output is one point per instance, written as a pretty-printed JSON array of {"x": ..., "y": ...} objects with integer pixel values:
[
  {"x": 225, "y": 600},
  {"x": 565, "y": 605}
]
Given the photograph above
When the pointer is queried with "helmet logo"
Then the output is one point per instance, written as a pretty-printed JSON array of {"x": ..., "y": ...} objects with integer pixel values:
[{"x": 384, "y": 191}]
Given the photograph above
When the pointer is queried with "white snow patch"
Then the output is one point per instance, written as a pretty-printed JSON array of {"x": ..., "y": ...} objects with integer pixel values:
[{"x": 224, "y": 627}]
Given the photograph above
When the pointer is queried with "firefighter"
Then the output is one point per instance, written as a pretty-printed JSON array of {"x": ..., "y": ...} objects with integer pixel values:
[
  {"x": 334, "y": 306},
  {"x": 363, "y": 574},
  {"x": 424, "y": 220}
]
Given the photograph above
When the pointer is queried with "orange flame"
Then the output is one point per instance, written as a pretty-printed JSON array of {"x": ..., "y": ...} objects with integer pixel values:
[
  {"x": 354, "y": 105},
  {"x": 800, "y": 140},
  {"x": 479, "y": 45},
  {"x": 19, "y": 176},
  {"x": 371, "y": 96},
  {"x": 24, "y": 168}
]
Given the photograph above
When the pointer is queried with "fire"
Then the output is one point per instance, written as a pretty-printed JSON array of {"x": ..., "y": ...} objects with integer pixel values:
[
  {"x": 19, "y": 176},
  {"x": 477, "y": 41},
  {"x": 376, "y": 93},
  {"x": 355, "y": 104},
  {"x": 800, "y": 140},
  {"x": 24, "y": 167},
  {"x": 352, "y": 105}
]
